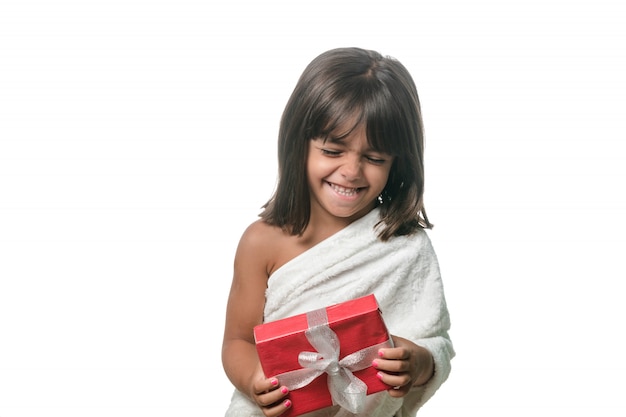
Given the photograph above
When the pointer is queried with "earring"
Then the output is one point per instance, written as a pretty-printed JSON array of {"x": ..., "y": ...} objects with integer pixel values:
[{"x": 380, "y": 199}]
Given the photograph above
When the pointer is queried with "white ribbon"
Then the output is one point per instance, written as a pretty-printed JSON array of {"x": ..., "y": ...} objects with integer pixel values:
[{"x": 346, "y": 390}]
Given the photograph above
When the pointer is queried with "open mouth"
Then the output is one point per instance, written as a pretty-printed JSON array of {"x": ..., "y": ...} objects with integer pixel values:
[{"x": 347, "y": 192}]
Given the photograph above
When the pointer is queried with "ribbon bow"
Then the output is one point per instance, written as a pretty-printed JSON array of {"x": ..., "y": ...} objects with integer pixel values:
[{"x": 346, "y": 390}]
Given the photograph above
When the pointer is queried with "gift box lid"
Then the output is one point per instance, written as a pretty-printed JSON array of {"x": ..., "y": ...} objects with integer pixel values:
[{"x": 297, "y": 324}]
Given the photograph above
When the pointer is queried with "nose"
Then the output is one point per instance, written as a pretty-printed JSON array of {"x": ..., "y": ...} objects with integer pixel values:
[{"x": 351, "y": 168}]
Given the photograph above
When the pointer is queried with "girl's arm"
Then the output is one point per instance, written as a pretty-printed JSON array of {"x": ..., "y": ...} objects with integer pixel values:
[{"x": 244, "y": 311}]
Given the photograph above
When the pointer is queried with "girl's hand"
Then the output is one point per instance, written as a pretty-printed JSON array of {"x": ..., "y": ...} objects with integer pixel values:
[
  {"x": 404, "y": 366},
  {"x": 270, "y": 396}
]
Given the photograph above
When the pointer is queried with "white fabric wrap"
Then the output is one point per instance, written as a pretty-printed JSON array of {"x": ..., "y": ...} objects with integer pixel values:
[{"x": 403, "y": 274}]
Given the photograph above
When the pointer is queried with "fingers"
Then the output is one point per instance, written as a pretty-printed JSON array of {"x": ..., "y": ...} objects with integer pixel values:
[
  {"x": 265, "y": 385},
  {"x": 395, "y": 353},
  {"x": 420, "y": 363},
  {"x": 270, "y": 396},
  {"x": 276, "y": 410},
  {"x": 393, "y": 360},
  {"x": 400, "y": 383},
  {"x": 394, "y": 370}
]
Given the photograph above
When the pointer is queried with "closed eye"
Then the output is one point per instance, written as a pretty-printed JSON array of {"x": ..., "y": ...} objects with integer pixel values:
[
  {"x": 330, "y": 152},
  {"x": 377, "y": 161}
]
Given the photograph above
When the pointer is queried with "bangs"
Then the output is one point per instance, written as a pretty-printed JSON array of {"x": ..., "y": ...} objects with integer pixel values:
[
  {"x": 387, "y": 131},
  {"x": 339, "y": 116}
]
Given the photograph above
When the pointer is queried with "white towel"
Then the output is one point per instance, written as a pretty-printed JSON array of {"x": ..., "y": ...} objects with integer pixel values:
[{"x": 402, "y": 273}]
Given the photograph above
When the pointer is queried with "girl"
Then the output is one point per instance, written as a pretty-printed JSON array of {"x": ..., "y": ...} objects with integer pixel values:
[{"x": 347, "y": 219}]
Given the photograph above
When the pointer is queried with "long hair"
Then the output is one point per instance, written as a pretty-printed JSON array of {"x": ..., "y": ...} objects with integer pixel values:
[{"x": 334, "y": 87}]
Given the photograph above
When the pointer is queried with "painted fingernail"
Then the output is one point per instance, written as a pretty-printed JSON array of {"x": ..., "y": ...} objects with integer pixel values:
[
  {"x": 274, "y": 381},
  {"x": 284, "y": 390},
  {"x": 375, "y": 363},
  {"x": 287, "y": 403},
  {"x": 379, "y": 375},
  {"x": 380, "y": 353}
]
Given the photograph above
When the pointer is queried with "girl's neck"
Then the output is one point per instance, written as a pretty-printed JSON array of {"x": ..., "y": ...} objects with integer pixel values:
[{"x": 324, "y": 225}]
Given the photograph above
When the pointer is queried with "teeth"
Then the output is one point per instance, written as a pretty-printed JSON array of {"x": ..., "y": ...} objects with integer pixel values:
[{"x": 344, "y": 191}]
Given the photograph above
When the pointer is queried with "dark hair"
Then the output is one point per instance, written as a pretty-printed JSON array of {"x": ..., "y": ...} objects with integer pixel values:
[{"x": 334, "y": 88}]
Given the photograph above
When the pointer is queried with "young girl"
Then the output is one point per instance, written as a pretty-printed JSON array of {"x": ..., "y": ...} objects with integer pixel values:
[{"x": 346, "y": 220}]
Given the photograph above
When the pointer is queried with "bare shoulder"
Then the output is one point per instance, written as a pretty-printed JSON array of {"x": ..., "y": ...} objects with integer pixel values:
[
  {"x": 258, "y": 246},
  {"x": 268, "y": 246},
  {"x": 259, "y": 236}
]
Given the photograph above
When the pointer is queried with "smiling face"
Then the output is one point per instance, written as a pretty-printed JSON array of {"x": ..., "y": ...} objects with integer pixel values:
[{"x": 345, "y": 176}]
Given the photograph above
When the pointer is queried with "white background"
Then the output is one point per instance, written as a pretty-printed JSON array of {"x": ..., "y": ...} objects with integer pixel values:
[{"x": 137, "y": 141}]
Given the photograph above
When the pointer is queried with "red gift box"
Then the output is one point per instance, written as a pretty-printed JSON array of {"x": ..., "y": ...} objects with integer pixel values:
[{"x": 353, "y": 330}]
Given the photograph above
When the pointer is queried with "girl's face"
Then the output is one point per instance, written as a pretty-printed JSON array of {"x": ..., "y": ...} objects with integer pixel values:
[{"x": 345, "y": 176}]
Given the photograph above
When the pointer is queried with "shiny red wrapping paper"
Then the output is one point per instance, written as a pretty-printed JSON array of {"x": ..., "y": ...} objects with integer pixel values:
[{"x": 358, "y": 324}]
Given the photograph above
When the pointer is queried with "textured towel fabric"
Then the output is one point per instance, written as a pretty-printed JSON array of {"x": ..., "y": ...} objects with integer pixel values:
[{"x": 402, "y": 273}]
